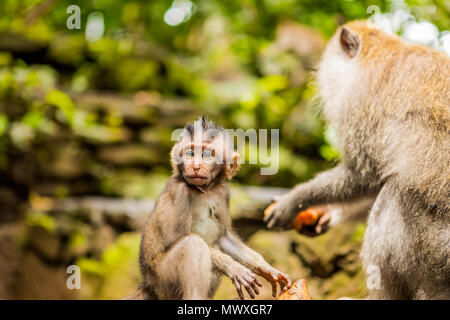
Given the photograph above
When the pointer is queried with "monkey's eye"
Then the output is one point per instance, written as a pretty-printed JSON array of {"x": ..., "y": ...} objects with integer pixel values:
[
  {"x": 189, "y": 153},
  {"x": 207, "y": 154}
]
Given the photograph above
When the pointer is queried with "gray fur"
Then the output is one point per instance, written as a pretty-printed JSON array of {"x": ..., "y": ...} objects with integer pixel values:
[{"x": 390, "y": 107}]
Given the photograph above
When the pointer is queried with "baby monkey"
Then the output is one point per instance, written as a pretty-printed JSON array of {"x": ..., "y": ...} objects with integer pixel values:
[{"x": 188, "y": 241}]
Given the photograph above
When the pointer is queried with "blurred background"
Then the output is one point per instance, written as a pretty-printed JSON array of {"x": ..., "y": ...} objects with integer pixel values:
[{"x": 88, "y": 103}]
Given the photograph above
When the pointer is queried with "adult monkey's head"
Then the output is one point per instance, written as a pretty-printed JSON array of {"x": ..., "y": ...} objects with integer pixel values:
[
  {"x": 204, "y": 154},
  {"x": 359, "y": 61}
]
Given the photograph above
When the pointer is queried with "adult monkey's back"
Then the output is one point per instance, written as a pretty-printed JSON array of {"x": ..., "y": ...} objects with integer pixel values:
[{"x": 389, "y": 102}]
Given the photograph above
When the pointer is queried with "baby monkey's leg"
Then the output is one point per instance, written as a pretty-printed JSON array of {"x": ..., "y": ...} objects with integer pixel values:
[{"x": 189, "y": 264}]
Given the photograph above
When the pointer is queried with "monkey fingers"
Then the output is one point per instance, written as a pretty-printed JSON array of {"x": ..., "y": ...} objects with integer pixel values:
[
  {"x": 275, "y": 277},
  {"x": 268, "y": 212},
  {"x": 280, "y": 219},
  {"x": 246, "y": 284},
  {"x": 238, "y": 288},
  {"x": 323, "y": 222},
  {"x": 274, "y": 288},
  {"x": 245, "y": 278},
  {"x": 279, "y": 214},
  {"x": 255, "y": 283},
  {"x": 250, "y": 283},
  {"x": 249, "y": 287},
  {"x": 284, "y": 281},
  {"x": 274, "y": 284},
  {"x": 276, "y": 198},
  {"x": 273, "y": 218},
  {"x": 320, "y": 227}
]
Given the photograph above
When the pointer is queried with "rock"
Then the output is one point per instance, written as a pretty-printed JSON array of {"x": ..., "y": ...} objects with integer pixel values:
[
  {"x": 326, "y": 254},
  {"x": 157, "y": 136},
  {"x": 341, "y": 284},
  {"x": 39, "y": 280},
  {"x": 9, "y": 205},
  {"x": 333, "y": 262},
  {"x": 124, "y": 105},
  {"x": 131, "y": 154},
  {"x": 124, "y": 213},
  {"x": 103, "y": 238},
  {"x": 10, "y": 255},
  {"x": 104, "y": 134},
  {"x": 44, "y": 242},
  {"x": 18, "y": 44},
  {"x": 79, "y": 242},
  {"x": 67, "y": 161},
  {"x": 134, "y": 183},
  {"x": 116, "y": 274}
]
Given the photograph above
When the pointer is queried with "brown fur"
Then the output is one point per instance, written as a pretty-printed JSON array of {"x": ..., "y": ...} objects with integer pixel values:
[{"x": 188, "y": 242}]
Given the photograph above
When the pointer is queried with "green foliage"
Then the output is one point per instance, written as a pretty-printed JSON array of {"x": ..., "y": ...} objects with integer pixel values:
[
  {"x": 358, "y": 234},
  {"x": 40, "y": 219},
  {"x": 224, "y": 58},
  {"x": 3, "y": 124},
  {"x": 62, "y": 101},
  {"x": 126, "y": 247},
  {"x": 117, "y": 271}
]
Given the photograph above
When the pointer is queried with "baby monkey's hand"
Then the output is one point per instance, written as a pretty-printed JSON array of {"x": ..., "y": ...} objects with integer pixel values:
[
  {"x": 274, "y": 277},
  {"x": 243, "y": 277}
]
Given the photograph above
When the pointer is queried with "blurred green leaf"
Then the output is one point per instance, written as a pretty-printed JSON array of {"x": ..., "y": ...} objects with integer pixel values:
[
  {"x": 3, "y": 124},
  {"x": 62, "y": 101}
]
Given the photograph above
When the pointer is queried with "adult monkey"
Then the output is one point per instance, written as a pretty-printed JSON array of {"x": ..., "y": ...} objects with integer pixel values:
[{"x": 390, "y": 104}]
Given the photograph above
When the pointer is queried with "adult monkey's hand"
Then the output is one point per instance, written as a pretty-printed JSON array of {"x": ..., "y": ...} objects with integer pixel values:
[
  {"x": 281, "y": 213},
  {"x": 312, "y": 221}
]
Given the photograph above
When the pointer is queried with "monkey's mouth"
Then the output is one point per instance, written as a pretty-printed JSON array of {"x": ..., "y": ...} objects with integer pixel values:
[
  {"x": 197, "y": 180},
  {"x": 197, "y": 177}
]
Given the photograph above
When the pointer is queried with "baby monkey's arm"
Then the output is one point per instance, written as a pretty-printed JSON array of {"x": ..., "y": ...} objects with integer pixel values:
[
  {"x": 240, "y": 275},
  {"x": 232, "y": 245}
]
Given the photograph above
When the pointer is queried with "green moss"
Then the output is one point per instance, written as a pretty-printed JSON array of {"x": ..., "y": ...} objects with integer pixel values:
[
  {"x": 3, "y": 124},
  {"x": 358, "y": 234},
  {"x": 77, "y": 240},
  {"x": 62, "y": 101},
  {"x": 5, "y": 59},
  {"x": 134, "y": 183},
  {"x": 39, "y": 219},
  {"x": 116, "y": 274},
  {"x": 90, "y": 266},
  {"x": 125, "y": 248}
]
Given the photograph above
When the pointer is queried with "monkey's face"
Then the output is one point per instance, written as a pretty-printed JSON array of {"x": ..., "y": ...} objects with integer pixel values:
[
  {"x": 199, "y": 164},
  {"x": 203, "y": 154}
]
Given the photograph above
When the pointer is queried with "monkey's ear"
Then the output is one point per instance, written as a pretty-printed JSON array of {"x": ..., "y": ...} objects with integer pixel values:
[
  {"x": 175, "y": 158},
  {"x": 232, "y": 168},
  {"x": 349, "y": 42}
]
